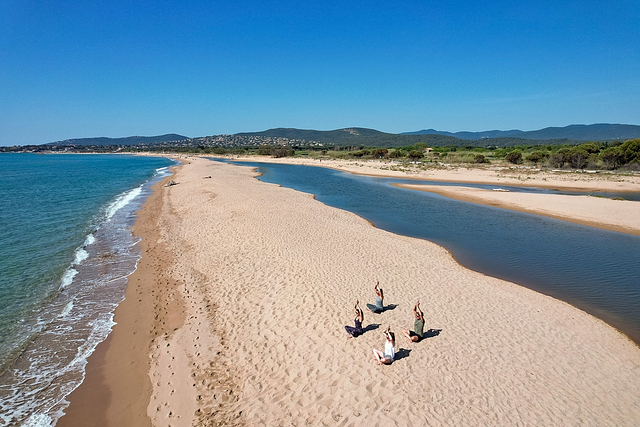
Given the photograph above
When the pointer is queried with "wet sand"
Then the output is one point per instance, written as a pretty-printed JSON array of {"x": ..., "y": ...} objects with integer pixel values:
[{"x": 235, "y": 317}]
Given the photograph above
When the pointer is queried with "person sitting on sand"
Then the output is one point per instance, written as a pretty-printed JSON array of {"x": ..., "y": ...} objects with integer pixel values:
[
  {"x": 357, "y": 330},
  {"x": 418, "y": 325},
  {"x": 379, "y": 307},
  {"x": 389, "y": 349}
]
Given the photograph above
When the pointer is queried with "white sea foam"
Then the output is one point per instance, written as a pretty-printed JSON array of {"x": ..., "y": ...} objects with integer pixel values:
[
  {"x": 67, "y": 309},
  {"x": 67, "y": 278},
  {"x": 38, "y": 420},
  {"x": 81, "y": 255},
  {"x": 122, "y": 200},
  {"x": 90, "y": 240}
]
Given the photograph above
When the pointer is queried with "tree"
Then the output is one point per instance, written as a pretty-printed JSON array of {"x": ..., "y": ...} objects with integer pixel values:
[
  {"x": 631, "y": 150},
  {"x": 479, "y": 158},
  {"x": 514, "y": 157},
  {"x": 282, "y": 152},
  {"x": 415, "y": 155},
  {"x": 265, "y": 150},
  {"x": 556, "y": 160},
  {"x": 578, "y": 158},
  {"x": 380, "y": 153},
  {"x": 612, "y": 157},
  {"x": 537, "y": 156}
]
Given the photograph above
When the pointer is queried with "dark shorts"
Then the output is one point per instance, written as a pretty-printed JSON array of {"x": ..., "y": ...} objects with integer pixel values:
[
  {"x": 413, "y": 334},
  {"x": 354, "y": 332},
  {"x": 374, "y": 308}
]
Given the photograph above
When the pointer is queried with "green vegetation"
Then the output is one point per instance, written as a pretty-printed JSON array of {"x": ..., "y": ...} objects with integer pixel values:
[{"x": 422, "y": 150}]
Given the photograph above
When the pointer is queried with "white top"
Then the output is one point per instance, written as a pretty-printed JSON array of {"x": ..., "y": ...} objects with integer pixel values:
[{"x": 389, "y": 350}]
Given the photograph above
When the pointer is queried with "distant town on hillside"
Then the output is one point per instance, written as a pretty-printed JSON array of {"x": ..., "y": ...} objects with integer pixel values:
[{"x": 350, "y": 137}]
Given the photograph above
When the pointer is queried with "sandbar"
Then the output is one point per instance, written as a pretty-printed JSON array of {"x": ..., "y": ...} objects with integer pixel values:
[{"x": 241, "y": 314}]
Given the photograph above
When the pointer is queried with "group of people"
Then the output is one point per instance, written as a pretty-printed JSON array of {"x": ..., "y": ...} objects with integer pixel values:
[{"x": 386, "y": 357}]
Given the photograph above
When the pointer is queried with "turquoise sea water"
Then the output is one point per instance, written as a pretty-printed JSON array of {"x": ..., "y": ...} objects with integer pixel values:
[{"x": 65, "y": 251}]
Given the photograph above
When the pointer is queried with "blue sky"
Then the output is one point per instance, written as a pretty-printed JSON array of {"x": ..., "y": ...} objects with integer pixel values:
[{"x": 116, "y": 68}]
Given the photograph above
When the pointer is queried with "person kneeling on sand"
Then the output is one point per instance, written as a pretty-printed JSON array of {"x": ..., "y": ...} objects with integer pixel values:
[
  {"x": 418, "y": 325},
  {"x": 389, "y": 349},
  {"x": 357, "y": 330},
  {"x": 379, "y": 307}
]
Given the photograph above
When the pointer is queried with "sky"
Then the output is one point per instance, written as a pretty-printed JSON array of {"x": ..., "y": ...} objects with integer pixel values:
[{"x": 113, "y": 68}]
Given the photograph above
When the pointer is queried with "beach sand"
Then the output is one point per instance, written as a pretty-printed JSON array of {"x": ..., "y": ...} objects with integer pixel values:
[{"x": 236, "y": 313}]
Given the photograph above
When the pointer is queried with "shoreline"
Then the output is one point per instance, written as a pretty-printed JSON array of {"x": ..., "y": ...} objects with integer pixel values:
[
  {"x": 116, "y": 388},
  {"x": 280, "y": 373},
  {"x": 607, "y": 214},
  {"x": 613, "y": 215}
]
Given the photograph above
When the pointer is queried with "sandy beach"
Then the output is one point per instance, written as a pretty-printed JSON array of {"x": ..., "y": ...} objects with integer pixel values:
[{"x": 235, "y": 317}]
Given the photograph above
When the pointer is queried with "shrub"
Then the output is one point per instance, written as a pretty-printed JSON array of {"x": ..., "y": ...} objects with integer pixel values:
[
  {"x": 578, "y": 158},
  {"x": 479, "y": 158},
  {"x": 415, "y": 155},
  {"x": 556, "y": 160},
  {"x": 380, "y": 153},
  {"x": 282, "y": 152},
  {"x": 514, "y": 157},
  {"x": 612, "y": 157},
  {"x": 265, "y": 150},
  {"x": 537, "y": 156}
]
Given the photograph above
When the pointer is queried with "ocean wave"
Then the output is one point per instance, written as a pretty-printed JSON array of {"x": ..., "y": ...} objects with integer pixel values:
[
  {"x": 38, "y": 420},
  {"x": 121, "y": 201},
  {"x": 67, "y": 309},
  {"x": 90, "y": 240},
  {"x": 80, "y": 256},
  {"x": 67, "y": 278}
]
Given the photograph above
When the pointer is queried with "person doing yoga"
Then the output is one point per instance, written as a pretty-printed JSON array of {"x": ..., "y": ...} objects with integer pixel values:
[
  {"x": 379, "y": 307},
  {"x": 389, "y": 349},
  {"x": 418, "y": 325},
  {"x": 357, "y": 330}
]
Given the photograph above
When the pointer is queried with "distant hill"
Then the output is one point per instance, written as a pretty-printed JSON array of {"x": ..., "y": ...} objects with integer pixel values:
[
  {"x": 595, "y": 132},
  {"x": 354, "y": 136},
  {"x": 373, "y": 138},
  {"x": 129, "y": 140}
]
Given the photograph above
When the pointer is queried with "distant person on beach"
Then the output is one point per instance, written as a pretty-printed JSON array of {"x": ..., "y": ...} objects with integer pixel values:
[
  {"x": 379, "y": 307},
  {"x": 357, "y": 330},
  {"x": 389, "y": 349},
  {"x": 418, "y": 325}
]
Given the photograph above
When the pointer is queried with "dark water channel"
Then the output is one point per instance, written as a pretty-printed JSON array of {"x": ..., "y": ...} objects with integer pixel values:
[{"x": 595, "y": 270}]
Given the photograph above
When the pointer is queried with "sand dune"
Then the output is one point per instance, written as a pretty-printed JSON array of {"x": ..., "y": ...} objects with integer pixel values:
[{"x": 262, "y": 280}]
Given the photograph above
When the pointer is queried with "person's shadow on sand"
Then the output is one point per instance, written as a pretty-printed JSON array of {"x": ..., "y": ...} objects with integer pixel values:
[
  {"x": 371, "y": 327},
  {"x": 401, "y": 354},
  {"x": 431, "y": 333},
  {"x": 389, "y": 307}
]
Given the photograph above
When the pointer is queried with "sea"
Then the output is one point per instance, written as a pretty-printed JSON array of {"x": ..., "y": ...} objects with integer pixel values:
[{"x": 66, "y": 250}]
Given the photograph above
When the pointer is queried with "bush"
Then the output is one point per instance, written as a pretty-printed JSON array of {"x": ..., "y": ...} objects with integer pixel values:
[
  {"x": 282, "y": 152},
  {"x": 537, "y": 156},
  {"x": 578, "y": 158},
  {"x": 380, "y": 153},
  {"x": 612, "y": 157},
  {"x": 631, "y": 150},
  {"x": 514, "y": 157},
  {"x": 395, "y": 154},
  {"x": 479, "y": 158},
  {"x": 265, "y": 150},
  {"x": 556, "y": 160},
  {"x": 415, "y": 155}
]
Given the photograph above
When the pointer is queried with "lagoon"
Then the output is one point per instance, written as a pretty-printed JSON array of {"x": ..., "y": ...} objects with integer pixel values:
[{"x": 592, "y": 269}]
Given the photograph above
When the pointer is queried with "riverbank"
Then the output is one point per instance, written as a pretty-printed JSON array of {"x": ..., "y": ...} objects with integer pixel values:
[
  {"x": 615, "y": 215},
  {"x": 240, "y": 322}
]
